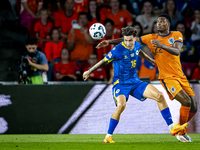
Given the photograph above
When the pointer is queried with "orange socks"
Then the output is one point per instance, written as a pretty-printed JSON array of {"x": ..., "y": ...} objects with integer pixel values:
[{"x": 184, "y": 114}]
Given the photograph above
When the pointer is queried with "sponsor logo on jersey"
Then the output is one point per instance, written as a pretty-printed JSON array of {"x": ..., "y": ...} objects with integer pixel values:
[
  {"x": 125, "y": 57},
  {"x": 173, "y": 89},
  {"x": 117, "y": 91},
  {"x": 137, "y": 52},
  {"x": 110, "y": 55},
  {"x": 171, "y": 40},
  {"x": 132, "y": 55}
]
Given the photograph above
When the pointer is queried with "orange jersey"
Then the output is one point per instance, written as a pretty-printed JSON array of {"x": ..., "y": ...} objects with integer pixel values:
[
  {"x": 82, "y": 49},
  {"x": 64, "y": 22},
  {"x": 121, "y": 19},
  {"x": 168, "y": 65},
  {"x": 80, "y": 6},
  {"x": 43, "y": 30},
  {"x": 33, "y": 5}
]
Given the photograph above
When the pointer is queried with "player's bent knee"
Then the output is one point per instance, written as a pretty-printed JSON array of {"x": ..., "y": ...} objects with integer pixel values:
[
  {"x": 187, "y": 101},
  {"x": 160, "y": 97},
  {"x": 121, "y": 106}
]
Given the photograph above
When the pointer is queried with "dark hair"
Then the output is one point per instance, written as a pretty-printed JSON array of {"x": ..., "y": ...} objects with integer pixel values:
[
  {"x": 138, "y": 24},
  {"x": 128, "y": 31},
  {"x": 166, "y": 16},
  {"x": 166, "y": 10},
  {"x": 98, "y": 17},
  {"x": 82, "y": 13},
  {"x": 51, "y": 32},
  {"x": 42, "y": 9},
  {"x": 31, "y": 41},
  {"x": 148, "y": 1},
  {"x": 152, "y": 31},
  {"x": 180, "y": 22},
  {"x": 109, "y": 20}
]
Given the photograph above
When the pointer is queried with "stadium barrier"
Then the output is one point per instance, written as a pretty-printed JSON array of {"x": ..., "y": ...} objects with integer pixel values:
[{"x": 80, "y": 109}]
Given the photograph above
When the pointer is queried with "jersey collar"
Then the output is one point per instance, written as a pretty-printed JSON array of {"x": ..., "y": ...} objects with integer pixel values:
[{"x": 165, "y": 35}]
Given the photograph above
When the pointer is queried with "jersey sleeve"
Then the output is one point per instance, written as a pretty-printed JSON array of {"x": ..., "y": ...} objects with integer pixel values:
[
  {"x": 36, "y": 27},
  {"x": 48, "y": 50},
  {"x": 128, "y": 17},
  {"x": 56, "y": 68},
  {"x": 43, "y": 59},
  {"x": 57, "y": 22},
  {"x": 145, "y": 39},
  {"x": 178, "y": 37},
  {"x": 111, "y": 55}
]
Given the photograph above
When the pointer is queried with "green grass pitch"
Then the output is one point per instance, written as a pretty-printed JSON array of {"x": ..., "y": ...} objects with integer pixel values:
[{"x": 94, "y": 142}]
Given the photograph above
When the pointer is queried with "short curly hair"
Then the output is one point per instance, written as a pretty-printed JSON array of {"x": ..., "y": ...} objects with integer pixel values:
[{"x": 128, "y": 31}]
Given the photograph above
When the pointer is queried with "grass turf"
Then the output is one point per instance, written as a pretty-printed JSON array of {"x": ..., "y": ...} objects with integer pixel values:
[{"x": 94, "y": 142}]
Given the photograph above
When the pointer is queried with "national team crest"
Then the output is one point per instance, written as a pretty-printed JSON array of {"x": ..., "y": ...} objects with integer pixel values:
[
  {"x": 173, "y": 89},
  {"x": 109, "y": 54},
  {"x": 171, "y": 40},
  {"x": 137, "y": 52}
]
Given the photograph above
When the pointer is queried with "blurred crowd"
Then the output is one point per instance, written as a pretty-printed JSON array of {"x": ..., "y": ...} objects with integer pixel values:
[{"x": 62, "y": 30}]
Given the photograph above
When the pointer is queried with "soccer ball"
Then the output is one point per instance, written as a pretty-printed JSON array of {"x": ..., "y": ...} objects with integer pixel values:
[{"x": 97, "y": 31}]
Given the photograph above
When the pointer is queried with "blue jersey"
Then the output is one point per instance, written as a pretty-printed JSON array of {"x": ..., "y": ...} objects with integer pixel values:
[{"x": 124, "y": 63}]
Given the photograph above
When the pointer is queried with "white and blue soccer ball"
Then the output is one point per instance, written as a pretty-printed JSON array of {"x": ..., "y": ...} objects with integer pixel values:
[{"x": 97, "y": 31}]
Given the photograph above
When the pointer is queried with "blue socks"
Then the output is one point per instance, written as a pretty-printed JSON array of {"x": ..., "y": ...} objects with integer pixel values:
[
  {"x": 167, "y": 116},
  {"x": 112, "y": 125}
]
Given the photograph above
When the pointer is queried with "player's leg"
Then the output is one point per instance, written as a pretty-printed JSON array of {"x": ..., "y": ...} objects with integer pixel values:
[
  {"x": 187, "y": 111},
  {"x": 121, "y": 105},
  {"x": 153, "y": 93}
]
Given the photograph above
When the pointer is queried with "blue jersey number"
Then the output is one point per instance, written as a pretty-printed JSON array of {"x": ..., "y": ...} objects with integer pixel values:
[{"x": 158, "y": 51}]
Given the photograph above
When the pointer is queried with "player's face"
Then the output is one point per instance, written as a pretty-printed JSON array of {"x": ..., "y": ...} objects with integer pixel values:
[
  {"x": 93, "y": 6},
  {"x": 31, "y": 48},
  {"x": 69, "y": 4},
  {"x": 129, "y": 41},
  {"x": 162, "y": 24},
  {"x": 82, "y": 20},
  {"x": 44, "y": 15},
  {"x": 65, "y": 54},
  {"x": 181, "y": 28}
]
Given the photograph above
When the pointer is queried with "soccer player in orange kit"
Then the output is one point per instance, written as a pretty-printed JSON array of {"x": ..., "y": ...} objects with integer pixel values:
[{"x": 166, "y": 47}]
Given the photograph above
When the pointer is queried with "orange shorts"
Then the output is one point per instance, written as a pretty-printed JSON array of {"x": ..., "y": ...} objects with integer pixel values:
[{"x": 175, "y": 85}]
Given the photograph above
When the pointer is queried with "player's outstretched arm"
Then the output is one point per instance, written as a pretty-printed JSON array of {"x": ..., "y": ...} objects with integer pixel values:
[
  {"x": 86, "y": 74},
  {"x": 107, "y": 42},
  {"x": 175, "y": 50},
  {"x": 145, "y": 56}
]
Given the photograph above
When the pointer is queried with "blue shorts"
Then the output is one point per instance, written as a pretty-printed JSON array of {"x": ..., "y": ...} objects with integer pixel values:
[{"x": 136, "y": 90}]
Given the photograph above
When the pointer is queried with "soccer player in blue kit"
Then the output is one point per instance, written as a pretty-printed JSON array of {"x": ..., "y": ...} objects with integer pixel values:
[{"x": 126, "y": 81}]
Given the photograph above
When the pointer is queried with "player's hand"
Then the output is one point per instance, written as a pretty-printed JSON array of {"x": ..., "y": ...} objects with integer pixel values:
[
  {"x": 156, "y": 43},
  {"x": 86, "y": 75},
  {"x": 103, "y": 44}
]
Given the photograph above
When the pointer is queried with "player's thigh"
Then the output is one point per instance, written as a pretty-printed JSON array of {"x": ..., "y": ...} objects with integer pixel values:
[
  {"x": 172, "y": 87},
  {"x": 187, "y": 87},
  {"x": 194, "y": 105},
  {"x": 152, "y": 93},
  {"x": 118, "y": 90}
]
